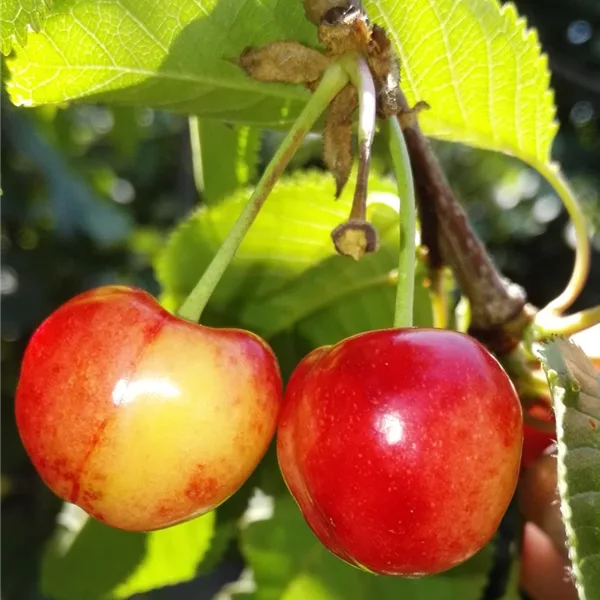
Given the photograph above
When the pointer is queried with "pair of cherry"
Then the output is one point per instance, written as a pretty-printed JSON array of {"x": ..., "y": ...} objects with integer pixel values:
[{"x": 401, "y": 447}]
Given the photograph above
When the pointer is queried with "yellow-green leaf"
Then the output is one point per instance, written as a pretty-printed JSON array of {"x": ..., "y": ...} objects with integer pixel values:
[
  {"x": 478, "y": 67},
  {"x": 17, "y": 16},
  {"x": 286, "y": 273},
  {"x": 475, "y": 62},
  {"x": 87, "y": 559}
]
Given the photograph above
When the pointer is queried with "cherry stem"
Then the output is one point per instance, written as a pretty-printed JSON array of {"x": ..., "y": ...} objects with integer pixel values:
[
  {"x": 356, "y": 236},
  {"x": 196, "y": 146},
  {"x": 582, "y": 242},
  {"x": 334, "y": 79},
  {"x": 547, "y": 325},
  {"x": 405, "y": 291},
  {"x": 361, "y": 77}
]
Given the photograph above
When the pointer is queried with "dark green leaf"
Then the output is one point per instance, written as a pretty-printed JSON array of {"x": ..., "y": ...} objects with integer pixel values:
[{"x": 73, "y": 203}]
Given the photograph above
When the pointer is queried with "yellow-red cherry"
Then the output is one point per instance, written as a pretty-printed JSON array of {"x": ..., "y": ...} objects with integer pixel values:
[{"x": 141, "y": 418}]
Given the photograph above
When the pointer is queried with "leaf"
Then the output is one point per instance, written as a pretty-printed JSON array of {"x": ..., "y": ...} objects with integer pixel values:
[
  {"x": 286, "y": 273},
  {"x": 479, "y": 68},
  {"x": 229, "y": 155},
  {"x": 289, "y": 563},
  {"x": 75, "y": 207},
  {"x": 473, "y": 61},
  {"x": 17, "y": 17},
  {"x": 178, "y": 55},
  {"x": 87, "y": 559},
  {"x": 575, "y": 388}
]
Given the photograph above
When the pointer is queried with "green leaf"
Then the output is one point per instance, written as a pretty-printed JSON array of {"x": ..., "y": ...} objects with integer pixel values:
[
  {"x": 289, "y": 563},
  {"x": 87, "y": 559},
  {"x": 479, "y": 68},
  {"x": 177, "y": 55},
  {"x": 17, "y": 16},
  {"x": 473, "y": 61},
  {"x": 74, "y": 205},
  {"x": 286, "y": 273},
  {"x": 575, "y": 388},
  {"x": 229, "y": 155}
]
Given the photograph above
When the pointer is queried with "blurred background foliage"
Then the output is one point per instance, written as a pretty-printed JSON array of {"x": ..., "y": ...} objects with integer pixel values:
[{"x": 90, "y": 194}]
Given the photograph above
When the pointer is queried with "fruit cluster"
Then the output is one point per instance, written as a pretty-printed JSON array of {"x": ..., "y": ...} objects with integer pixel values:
[{"x": 401, "y": 447}]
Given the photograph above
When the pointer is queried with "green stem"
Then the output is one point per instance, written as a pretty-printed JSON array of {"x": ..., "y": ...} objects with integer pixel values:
[
  {"x": 360, "y": 75},
  {"x": 196, "y": 144},
  {"x": 462, "y": 315},
  {"x": 405, "y": 293},
  {"x": 547, "y": 325},
  {"x": 333, "y": 80},
  {"x": 582, "y": 242}
]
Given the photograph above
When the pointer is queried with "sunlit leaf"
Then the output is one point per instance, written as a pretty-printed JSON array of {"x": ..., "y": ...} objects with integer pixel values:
[
  {"x": 479, "y": 68},
  {"x": 473, "y": 61},
  {"x": 575, "y": 387},
  {"x": 286, "y": 273},
  {"x": 87, "y": 559},
  {"x": 178, "y": 55},
  {"x": 289, "y": 563},
  {"x": 16, "y": 17}
]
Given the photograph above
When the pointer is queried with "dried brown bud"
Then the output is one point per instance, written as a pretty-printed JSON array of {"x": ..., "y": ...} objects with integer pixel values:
[
  {"x": 355, "y": 238},
  {"x": 408, "y": 118},
  {"x": 337, "y": 137},
  {"x": 316, "y": 9},
  {"x": 381, "y": 57},
  {"x": 385, "y": 67},
  {"x": 284, "y": 62},
  {"x": 345, "y": 30}
]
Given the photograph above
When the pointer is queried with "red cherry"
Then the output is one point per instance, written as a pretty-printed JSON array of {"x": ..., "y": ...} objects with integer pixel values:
[
  {"x": 141, "y": 418},
  {"x": 535, "y": 441},
  {"x": 401, "y": 448}
]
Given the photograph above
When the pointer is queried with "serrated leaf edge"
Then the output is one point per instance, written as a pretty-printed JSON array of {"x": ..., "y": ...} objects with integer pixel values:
[
  {"x": 19, "y": 36},
  {"x": 559, "y": 393}
]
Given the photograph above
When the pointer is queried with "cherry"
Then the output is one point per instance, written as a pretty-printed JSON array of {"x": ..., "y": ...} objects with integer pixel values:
[
  {"x": 141, "y": 418},
  {"x": 535, "y": 441},
  {"x": 402, "y": 448}
]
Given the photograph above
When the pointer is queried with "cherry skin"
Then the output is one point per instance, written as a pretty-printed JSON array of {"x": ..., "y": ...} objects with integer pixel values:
[
  {"x": 141, "y": 418},
  {"x": 402, "y": 448},
  {"x": 536, "y": 441}
]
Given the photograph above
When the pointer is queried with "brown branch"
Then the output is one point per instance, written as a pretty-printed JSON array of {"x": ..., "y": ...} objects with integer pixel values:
[{"x": 498, "y": 306}]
